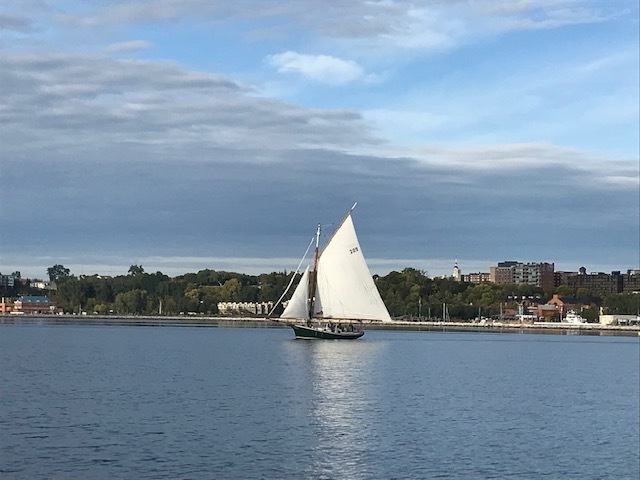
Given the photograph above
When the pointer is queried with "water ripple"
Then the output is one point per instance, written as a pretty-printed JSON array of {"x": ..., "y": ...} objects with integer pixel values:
[{"x": 129, "y": 402}]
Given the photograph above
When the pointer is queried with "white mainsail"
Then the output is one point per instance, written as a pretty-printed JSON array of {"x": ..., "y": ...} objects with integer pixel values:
[
  {"x": 298, "y": 306},
  {"x": 345, "y": 288}
]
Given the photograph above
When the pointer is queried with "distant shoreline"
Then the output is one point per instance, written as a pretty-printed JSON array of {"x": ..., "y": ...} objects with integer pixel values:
[{"x": 254, "y": 322}]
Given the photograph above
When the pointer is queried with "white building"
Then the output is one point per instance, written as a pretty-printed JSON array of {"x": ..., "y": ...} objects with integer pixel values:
[
  {"x": 619, "y": 319},
  {"x": 244, "y": 308}
]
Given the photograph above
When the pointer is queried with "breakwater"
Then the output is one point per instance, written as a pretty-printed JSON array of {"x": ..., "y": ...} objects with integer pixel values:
[{"x": 256, "y": 322}]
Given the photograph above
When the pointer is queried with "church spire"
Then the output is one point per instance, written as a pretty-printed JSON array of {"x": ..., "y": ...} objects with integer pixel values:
[{"x": 457, "y": 274}]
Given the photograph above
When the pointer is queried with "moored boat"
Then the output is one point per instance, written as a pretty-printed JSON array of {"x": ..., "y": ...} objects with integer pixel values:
[{"x": 573, "y": 317}]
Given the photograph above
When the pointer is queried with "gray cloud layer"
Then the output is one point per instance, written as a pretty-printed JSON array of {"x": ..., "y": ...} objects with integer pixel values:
[
  {"x": 80, "y": 103},
  {"x": 105, "y": 158}
]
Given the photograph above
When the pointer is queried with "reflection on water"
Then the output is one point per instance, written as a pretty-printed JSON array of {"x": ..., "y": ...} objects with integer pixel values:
[{"x": 335, "y": 379}]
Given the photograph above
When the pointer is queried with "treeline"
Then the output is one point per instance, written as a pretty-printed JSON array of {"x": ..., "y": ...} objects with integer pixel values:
[
  {"x": 141, "y": 293},
  {"x": 407, "y": 294}
]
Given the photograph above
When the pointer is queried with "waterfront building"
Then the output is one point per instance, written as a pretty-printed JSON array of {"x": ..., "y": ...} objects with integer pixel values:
[
  {"x": 545, "y": 312},
  {"x": 34, "y": 304},
  {"x": 619, "y": 320},
  {"x": 564, "y": 304},
  {"x": 244, "y": 308},
  {"x": 6, "y": 305}
]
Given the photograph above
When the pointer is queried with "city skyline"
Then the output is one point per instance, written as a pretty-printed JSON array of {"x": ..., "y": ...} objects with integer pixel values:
[{"x": 193, "y": 135}]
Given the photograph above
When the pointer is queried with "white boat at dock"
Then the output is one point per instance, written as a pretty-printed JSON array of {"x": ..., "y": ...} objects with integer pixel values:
[{"x": 573, "y": 318}]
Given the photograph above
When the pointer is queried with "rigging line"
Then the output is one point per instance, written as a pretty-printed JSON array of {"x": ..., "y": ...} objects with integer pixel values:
[{"x": 292, "y": 276}]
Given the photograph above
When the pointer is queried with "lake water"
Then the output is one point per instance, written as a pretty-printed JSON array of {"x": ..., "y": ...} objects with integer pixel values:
[{"x": 104, "y": 402}]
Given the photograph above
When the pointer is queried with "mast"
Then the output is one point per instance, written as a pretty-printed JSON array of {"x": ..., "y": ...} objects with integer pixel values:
[{"x": 314, "y": 278}]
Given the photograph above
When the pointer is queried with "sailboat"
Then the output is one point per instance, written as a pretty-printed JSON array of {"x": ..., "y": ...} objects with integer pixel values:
[{"x": 336, "y": 294}]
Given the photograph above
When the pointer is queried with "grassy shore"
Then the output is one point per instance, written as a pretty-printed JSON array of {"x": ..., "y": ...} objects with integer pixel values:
[{"x": 205, "y": 321}]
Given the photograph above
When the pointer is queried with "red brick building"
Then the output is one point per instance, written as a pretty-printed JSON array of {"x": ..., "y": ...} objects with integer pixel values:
[
  {"x": 31, "y": 304},
  {"x": 564, "y": 304},
  {"x": 599, "y": 283}
]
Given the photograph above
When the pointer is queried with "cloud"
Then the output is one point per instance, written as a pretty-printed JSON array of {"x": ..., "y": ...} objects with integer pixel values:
[
  {"x": 319, "y": 68},
  {"x": 111, "y": 210},
  {"x": 15, "y": 23},
  {"x": 67, "y": 106},
  {"x": 503, "y": 15},
  {"x": 77, "y": 103},
  {"x": 413, "y": 24},
  {"x": 130, "y": 46}
]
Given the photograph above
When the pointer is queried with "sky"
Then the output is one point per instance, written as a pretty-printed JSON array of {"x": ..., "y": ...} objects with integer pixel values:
[{"x": 182, "y": 135}]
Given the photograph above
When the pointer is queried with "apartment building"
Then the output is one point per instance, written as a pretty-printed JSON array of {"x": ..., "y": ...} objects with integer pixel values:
[
  {"x": 538, "y": 274},
  {"x": 599, "y": 282},
  {"x": 631, "y": 281},
  {"x": 478, "y": 277},
  {"x": 502, "y": 274},
  {"x": 7, "y": 281}
]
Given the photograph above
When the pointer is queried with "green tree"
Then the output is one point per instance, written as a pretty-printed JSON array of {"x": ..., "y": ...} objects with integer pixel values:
[
  {"x": 169, "y": 306},
  {"x": 582, "y": 294},
  {"x": 58, "y": 273},
  {"x": 271, "y": 286},
  {"x": 104, "y": 291},
  {"x": 229, "y": 292},
  {"x": 565, "y": 291},
  {"x": 101, "y": 308},
  {"x": 132, "y": 302},
  {"x": 622, "y": 304},
  {"x": 72, "y": 294},
  {"x": 591, "y": 314},
  {"x": 136, "y": 270}
]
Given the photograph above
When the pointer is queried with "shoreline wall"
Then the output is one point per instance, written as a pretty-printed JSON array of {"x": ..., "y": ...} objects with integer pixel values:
[{"x": 254, "y": 322}]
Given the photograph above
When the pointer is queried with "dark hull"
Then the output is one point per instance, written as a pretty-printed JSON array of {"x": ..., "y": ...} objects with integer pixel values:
[{"x": 313, "y": 333}]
